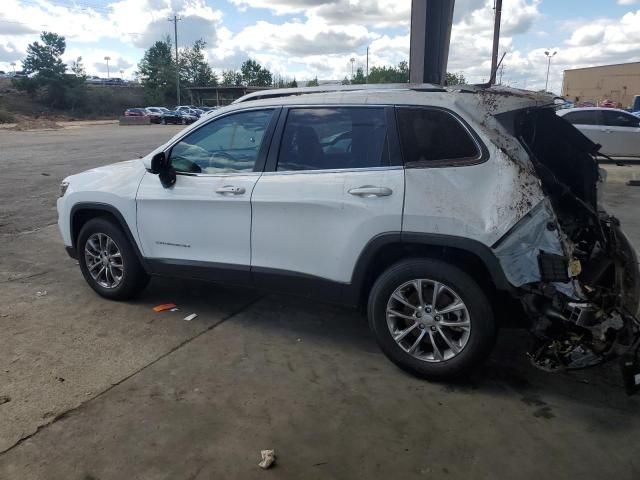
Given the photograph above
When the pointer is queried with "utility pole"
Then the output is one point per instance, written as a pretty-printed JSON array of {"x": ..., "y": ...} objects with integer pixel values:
[
  {"x": 367, "y": 77},
  {"x": 496, "y": 40},
  {"x": 175, "y": 21},
  {"x": 501, "y": 72},
  {"x": 549, "y": 56},
  {"x": 352, "y": 60}
]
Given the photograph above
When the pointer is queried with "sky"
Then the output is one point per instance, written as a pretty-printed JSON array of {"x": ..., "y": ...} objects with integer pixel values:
[{"x": 309, "y": 38}]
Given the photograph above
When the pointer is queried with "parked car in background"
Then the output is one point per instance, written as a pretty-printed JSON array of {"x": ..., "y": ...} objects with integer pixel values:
[
  {"x": 617, "y": 131},
  {"x": 135, "y": 112},
  {"x": 608, "y": 104},
  {"x": 635, "y": 106},
  {"x": 178, "y": 118},
  {"x": 155, "y": 113}
]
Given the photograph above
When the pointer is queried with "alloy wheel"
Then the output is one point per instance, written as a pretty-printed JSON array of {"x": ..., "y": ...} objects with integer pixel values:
[
  {"x": 104, "y": 260},
  {"x": 428, "y": 320}
]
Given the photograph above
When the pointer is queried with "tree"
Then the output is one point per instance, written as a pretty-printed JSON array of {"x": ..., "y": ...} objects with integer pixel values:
[
  {"x": 45, "y": 59},
  {"x": 77, "y": 67},
  {"x": 399, "y": 74},
  {"x": 345, "y": 81},
  {"x": 455, "y": 79},
  {"x": 359, "y": 77},
  {"x": 255, "y": 75},
  {"x": 157, "y": 73},
  {"x": 293, "y": 83},
  {"x": 194, "y": 70},
  {"x": 313, "y": 83},
  {"x": 47, "y": 79},
  {"x": 231, "y": 78}
]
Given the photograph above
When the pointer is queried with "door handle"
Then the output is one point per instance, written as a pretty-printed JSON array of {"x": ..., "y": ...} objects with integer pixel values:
[
  {"x": 230, "y": 190},
  {"x": 368, "y": 191}
]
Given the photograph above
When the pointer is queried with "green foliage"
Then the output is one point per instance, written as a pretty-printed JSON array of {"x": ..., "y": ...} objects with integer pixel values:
[
  {"x": 359, "y": 77},
  {"x": 194, "y": 69},
  {"x": 48, "y": 80},
  {"x": 44, "y": 59},
  {"x": 313, "y": 83},
  {"x": 293, "y": 83},
  {"x": 77, "y": 67},
  {"x": 255, "y": 75},
  {"x": 231, "y": 78},
  {"x": 157, "y": 73},
  {"x": 455, "y": 79},
  {"x": 345, "y": 81},
  {"x": 389, "y": 74}
]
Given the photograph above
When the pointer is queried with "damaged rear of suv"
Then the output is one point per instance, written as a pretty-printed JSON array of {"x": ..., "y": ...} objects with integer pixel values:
[{"x": 581, "y": 288}]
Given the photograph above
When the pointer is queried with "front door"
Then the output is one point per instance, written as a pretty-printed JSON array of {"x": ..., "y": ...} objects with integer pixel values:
[
  {"x": 622, "y": 132},
  {"x": 200, "y": 227}
]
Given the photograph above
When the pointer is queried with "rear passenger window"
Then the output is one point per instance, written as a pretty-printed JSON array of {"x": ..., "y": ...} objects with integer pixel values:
[
  {"x": 334, "y": 138},
  {"x": 615, "y": 118},
  {"x": 585, "y": 117},
  {"x": 434, "y": 138}
]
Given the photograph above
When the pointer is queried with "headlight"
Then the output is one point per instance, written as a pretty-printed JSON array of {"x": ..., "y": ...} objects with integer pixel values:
[{"x": 63, "y": 188}]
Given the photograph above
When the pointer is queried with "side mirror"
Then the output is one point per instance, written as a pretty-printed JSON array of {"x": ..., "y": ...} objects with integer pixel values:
[
  {"x": 160, "y": 166},
  {"x": 159, "y": 163}
]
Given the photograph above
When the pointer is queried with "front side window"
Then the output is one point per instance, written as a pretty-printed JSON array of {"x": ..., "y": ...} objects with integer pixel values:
[
  {"x": 614, "y": 118},
  {"x": 585, "y": 117},
  {"x": 334, "y": 138},
  {"x": 432, "y": 138},
  {"x": 227, "y": 145}
]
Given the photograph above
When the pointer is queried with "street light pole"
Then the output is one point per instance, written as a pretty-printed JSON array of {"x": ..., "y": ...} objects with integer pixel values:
[
  {"x": 107, "y": 60},
  {"x": 549, "y": 57},
  {"x": 352, "y": 60}
]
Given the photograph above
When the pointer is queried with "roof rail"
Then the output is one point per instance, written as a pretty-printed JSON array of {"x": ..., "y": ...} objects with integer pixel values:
[{"x": 287, "y": 92}]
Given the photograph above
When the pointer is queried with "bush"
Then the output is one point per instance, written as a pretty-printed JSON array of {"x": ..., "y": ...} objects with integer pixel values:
[{"x": 6, "y": 117}]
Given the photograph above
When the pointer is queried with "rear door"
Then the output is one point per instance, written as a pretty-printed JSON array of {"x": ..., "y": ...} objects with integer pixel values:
[
  {"x": 589, "y": 122},
  {"x": 623, "y": 132},
  {"x": 332, "y": 184}
]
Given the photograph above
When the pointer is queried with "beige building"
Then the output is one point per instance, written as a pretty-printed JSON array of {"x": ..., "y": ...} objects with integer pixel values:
[{"x": 619, "y": 83}]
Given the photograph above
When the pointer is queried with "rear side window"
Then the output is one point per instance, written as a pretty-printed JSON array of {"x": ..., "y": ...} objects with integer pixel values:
[
  {"x": 585, "y": 117},
  {"x": 334, "y": 138},
  {"x": 435, "y": 138},
  {"x": 614, "y": 118}
]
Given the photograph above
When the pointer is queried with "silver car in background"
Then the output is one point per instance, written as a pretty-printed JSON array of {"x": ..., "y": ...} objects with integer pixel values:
[{"x": 617, "y": 131}]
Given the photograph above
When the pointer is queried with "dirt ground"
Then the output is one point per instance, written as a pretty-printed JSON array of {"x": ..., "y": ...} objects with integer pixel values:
[{"x": 92, "y": 389}]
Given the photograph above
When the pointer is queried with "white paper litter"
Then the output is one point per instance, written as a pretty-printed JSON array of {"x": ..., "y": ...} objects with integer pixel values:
[
  {"x": 268, "y": 457},
  {"x": 188, "y": 318},
  {"x": 41, "y": 294}
]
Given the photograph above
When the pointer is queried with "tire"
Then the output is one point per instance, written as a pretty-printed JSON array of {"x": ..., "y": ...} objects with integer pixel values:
[
  {"x": 164, "y": 121},
  {"x": 133, "y": 278},
  {"x": 184, "y": 121},
  {"x": 473, "y": 344}
]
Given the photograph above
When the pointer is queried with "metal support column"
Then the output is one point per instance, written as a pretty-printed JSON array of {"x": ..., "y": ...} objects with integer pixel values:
[{"x": 431, "y": 22}]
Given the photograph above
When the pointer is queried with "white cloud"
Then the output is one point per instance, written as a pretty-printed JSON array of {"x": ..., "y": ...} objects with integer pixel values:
[{"x": 627, "y": 2}]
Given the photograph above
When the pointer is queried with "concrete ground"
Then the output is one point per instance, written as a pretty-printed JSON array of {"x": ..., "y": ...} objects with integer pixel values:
[{"x": 92, "y": 389}]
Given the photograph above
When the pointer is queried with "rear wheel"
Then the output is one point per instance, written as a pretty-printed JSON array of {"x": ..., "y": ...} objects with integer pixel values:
[
  {"x": 164, "y": 121},
  {"x": 431, "y": 318},
  {"x": 108, "y": 261}
]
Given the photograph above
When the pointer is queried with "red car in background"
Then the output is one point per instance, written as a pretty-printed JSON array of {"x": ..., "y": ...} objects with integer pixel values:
[
  {"x": 608, "y": 104},
  {"x": 135, "y": 112}
]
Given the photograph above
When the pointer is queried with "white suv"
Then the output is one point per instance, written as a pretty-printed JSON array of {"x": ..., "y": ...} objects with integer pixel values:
[{"x": 446, "y": 212}]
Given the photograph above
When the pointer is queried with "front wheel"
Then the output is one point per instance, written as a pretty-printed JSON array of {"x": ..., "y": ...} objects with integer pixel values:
[
  {"x": 431, "y": 318},
  {"x": 108, "y": 261}
]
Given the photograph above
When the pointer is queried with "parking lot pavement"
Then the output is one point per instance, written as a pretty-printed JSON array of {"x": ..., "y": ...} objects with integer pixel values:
[{"x": 108, "y": 390}]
